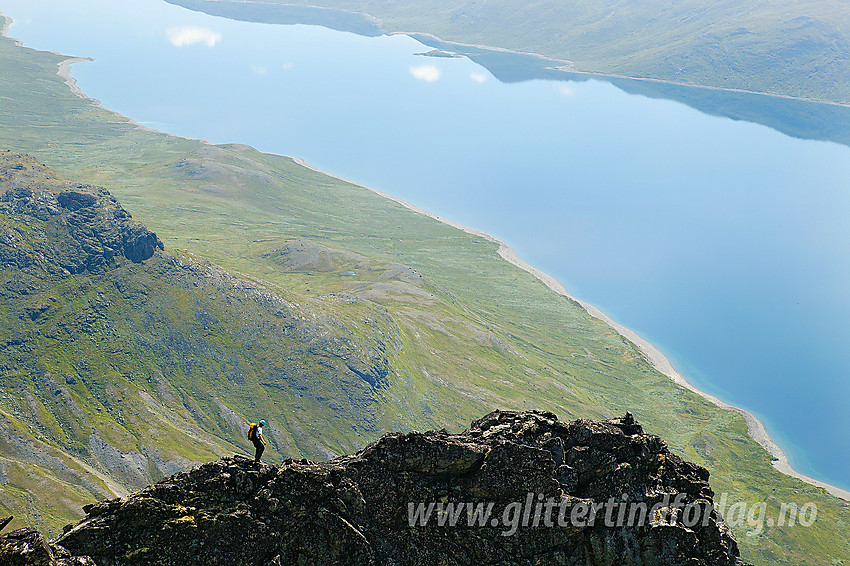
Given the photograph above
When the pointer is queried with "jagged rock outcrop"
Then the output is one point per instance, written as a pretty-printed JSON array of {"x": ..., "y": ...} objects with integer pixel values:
[
  {"x": 54, "y": 226},
  {"x": 356, "y": 510}
]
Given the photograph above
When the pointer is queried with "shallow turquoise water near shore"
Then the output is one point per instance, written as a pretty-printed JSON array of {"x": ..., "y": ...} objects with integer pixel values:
[{"x": 724, "y": 243}]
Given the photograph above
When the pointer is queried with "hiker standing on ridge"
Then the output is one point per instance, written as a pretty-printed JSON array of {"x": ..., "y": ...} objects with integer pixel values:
[{"x": 255, "y": 435}]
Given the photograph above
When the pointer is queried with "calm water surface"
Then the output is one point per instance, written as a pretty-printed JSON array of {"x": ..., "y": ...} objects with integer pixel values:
[{"x": 725, "y": 243}]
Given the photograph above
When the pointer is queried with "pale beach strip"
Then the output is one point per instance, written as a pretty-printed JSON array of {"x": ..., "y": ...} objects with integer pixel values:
[
  {"x": 65, "y": 72},
  {"x": 654, "y": 356},
  {"x": 660, "y": 362}
]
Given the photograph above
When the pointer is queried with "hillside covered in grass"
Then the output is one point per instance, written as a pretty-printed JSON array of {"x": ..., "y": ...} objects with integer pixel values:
[
  {"x": 123, "y": 364},
  {"x": 798, "y": 48},
  {"x": 437, "y": 329}
]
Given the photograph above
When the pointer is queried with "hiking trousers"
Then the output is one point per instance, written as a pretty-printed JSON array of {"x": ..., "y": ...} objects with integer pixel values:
[{"x": 260, "y": 447}]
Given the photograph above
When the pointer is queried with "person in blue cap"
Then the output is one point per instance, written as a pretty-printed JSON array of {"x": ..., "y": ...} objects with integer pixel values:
[{"x": 255, "y": 435}]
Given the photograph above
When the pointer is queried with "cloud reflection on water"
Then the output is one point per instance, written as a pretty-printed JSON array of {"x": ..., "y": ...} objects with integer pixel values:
[
  {"x": 189, "y": 35},
  {"x": 427, "y": 73}
]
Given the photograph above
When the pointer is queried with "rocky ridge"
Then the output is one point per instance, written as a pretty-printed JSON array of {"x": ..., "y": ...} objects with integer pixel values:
[{"x": 355, "y": 510}]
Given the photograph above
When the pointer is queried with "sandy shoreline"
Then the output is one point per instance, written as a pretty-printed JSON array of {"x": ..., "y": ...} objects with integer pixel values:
[
  {"x": 755, "y": 427},
  {"x": 65, "y": 72},
  {"x": 658, "y": 360}
]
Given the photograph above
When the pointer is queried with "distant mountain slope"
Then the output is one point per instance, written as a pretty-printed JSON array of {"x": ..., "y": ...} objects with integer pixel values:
[
  {"x": 121, "y": 362},
  {"x": 463, "y": 331},
  {"x": 789, "y": 47},
  {"x": 792, "y": 116}
]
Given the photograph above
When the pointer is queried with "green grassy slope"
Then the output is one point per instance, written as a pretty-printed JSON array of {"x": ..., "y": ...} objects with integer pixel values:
[
  {"x": 143, "y": 369},
  {"x": 465, "y": 331},
  {"x": 789, "y": 47}
]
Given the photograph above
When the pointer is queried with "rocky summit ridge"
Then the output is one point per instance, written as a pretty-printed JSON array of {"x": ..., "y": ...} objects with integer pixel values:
[{"x": 361, "y": 509}]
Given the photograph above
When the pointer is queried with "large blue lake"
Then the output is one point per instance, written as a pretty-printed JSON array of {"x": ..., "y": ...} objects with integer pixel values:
[{"x": 725, "y": 243}]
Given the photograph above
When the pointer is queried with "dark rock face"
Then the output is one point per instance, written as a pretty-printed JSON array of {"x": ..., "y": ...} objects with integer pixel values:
[
  {"x": 355, "y": 510},
  {"x": 75, "y": 201},
  {"x": 139, "y": 243},
  {"x": 54, "y": 226}
]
